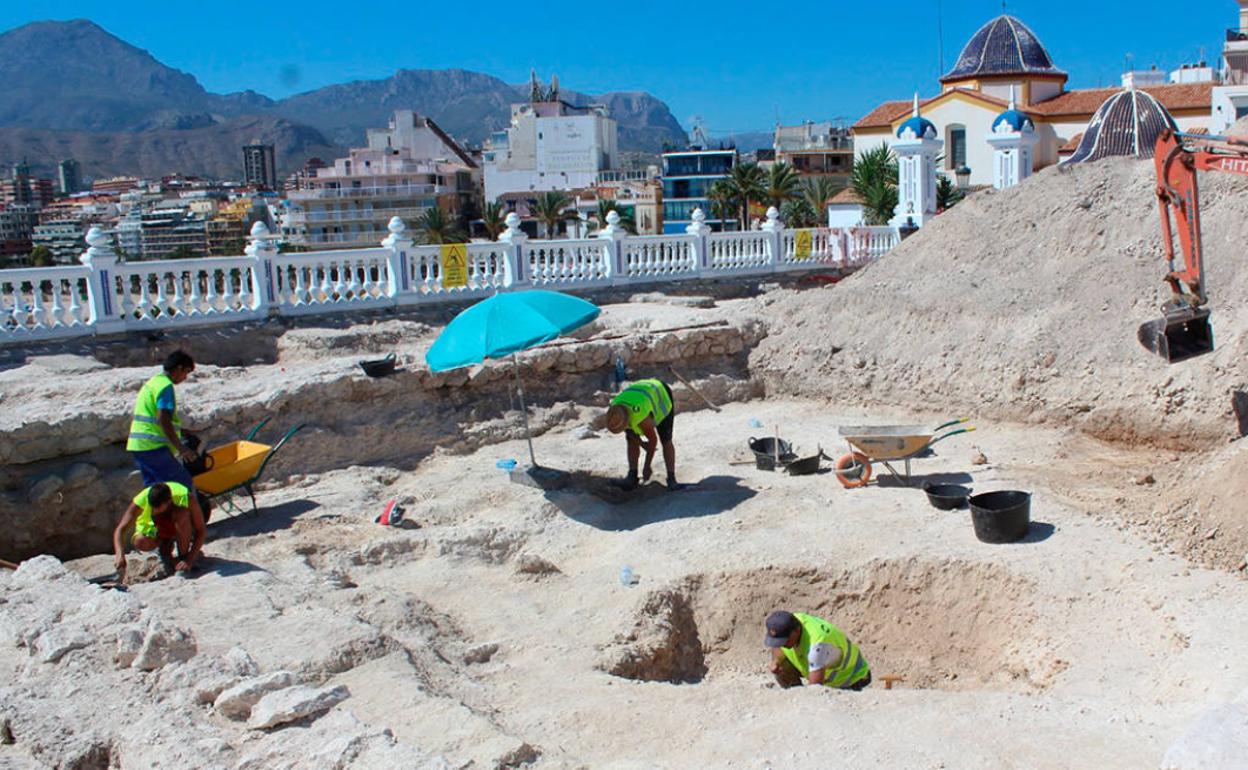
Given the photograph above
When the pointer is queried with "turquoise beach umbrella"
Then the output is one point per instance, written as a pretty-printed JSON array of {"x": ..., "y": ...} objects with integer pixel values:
[{"x": 505, "y": 324}]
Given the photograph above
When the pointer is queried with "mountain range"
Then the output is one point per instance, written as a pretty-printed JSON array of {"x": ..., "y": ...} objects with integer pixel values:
[{"x": 72, "y": 89}]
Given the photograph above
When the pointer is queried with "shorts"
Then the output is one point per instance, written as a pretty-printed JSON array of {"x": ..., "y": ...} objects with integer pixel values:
[
  {"x": 664, "y": 429},
  {"x": 160, "y": 466}
]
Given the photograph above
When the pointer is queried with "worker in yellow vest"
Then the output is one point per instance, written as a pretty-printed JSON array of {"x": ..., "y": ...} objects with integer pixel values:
[
  {"x": 804, "y": 647},
  {"x": 164, "y": 516},
  {"x": 645, "y": 412},
  {"x": 155, "y": 440}
]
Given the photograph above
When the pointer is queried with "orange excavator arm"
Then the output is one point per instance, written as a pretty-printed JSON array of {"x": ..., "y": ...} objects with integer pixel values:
[{"x": 1183, "y": 331}]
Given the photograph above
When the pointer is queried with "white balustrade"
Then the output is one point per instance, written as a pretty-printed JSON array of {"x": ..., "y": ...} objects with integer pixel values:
[
  {"x": 738, "y": 251},
  {"x": 44, "y": 303},
  {"x": 330, "y": 281},
  {"x": 184, "y": 292},
  {"x": 484, "y": 270},
  {"x": 104, "y": 295},
  {"x": 657, "y": 257},
  {"x": 582, "y": 262}
]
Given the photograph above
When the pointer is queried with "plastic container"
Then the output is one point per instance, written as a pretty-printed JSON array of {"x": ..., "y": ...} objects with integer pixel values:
[
  {"x": 627, "y": 578},
  {"x": 764, "y": 453},
  {"x": 379, "y": 367},
  {"x": 507, "y": 465},
  {"x": 1001, "y": 517},
  {"x": 947, "y": 497}
]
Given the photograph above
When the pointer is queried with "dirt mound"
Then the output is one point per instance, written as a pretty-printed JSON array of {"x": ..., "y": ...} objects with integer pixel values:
[
  {"x": 1023, "y": 304},
  {"x": 663, "y": 645}
]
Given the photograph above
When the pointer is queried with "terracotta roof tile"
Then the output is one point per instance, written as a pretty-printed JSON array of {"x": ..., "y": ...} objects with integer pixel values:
[
  {"x": 1185, "y": 96},
  {"x": 1072, "y": 144}
]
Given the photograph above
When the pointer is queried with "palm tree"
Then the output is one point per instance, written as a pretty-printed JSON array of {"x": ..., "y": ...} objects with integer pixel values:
[
  {"x": 749, "y": 185},
  {"x": 434, "y": 226},
  {"x": 798, "y": 213},
  {"x": 723, "y": 199},
  {"x": 818, "y": 191},
  {"x": 874, "y": 179},
  {"x": 626, "y": 216},
  {"x": 783, "y": 184},
  {"x": 551, "y": 209},
  {"x": 494, "y": 220}
]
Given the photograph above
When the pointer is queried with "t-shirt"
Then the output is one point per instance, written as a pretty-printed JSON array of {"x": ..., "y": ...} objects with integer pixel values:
[
  {"x": 823, "y": 655},
  {"x": 151, "y": 526},
  {"x": 166, "y": 399}
]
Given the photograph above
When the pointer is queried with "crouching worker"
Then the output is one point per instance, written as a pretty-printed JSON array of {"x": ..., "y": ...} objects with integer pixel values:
[
  {"x": 810, "y": 648},
  {"x": 163, "y": 515},
  {"x": 645, "y": 412}
]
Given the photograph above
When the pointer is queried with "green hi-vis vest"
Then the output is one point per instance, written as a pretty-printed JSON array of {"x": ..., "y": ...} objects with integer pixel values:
[
  {"x": 145, "y": 432},
  {"x": 144, "y": 525},
  {"x": 644, "y": 398},
  {"x": 852, "y": 666}
]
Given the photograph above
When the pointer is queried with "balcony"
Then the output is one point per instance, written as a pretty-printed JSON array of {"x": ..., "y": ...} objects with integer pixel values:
[
  {"x": 368, "y": 215},
  {"x": 395, "y": 191}
]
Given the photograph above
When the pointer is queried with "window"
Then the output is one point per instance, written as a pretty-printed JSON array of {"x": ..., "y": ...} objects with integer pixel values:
[
  {"x": 1241, "y": 111},
  {"x": 956, "y": 157}
]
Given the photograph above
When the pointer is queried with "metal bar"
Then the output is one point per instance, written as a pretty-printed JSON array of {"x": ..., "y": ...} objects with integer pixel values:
[{"x": 528, "y": 434}]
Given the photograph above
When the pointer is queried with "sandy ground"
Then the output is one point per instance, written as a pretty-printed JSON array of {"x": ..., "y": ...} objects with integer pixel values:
[{"x": 1082, "y": 646}]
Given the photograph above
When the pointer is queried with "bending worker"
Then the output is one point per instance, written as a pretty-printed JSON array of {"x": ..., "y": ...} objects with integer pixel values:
[
  {"x": 156, "y": 430},
  {"x": 804, "y": 646},
  {"x": 644, "y": 412},
  {"x": 163, "y": 515}
]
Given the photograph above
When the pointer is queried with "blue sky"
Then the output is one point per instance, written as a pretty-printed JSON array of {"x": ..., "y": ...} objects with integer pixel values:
[{"x": 738, "y": 66}]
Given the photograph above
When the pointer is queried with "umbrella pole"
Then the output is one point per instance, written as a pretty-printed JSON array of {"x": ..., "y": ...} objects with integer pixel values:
[{"x": 528, "y": 435}]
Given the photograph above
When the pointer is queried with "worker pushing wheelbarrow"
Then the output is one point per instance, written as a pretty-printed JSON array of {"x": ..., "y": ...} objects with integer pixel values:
[{"x": 886, "y": 444}]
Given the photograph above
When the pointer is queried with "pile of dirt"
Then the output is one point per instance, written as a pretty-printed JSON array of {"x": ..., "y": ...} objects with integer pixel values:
[{"x": 1023, "y": 304}]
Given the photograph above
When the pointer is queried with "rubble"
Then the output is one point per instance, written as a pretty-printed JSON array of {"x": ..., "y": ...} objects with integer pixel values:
[{"x": 294, "y": 703}]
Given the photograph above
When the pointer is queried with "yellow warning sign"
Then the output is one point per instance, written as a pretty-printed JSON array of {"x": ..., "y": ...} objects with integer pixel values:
[
  {"x": 802, "y": 244},
  {"x": 454, "y": 265}
]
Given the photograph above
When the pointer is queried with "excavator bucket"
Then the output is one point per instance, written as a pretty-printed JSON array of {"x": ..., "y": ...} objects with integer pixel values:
[{"x": 1178, "y": 335}]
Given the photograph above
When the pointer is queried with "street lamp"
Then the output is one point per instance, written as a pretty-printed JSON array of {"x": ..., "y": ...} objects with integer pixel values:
[{"x": 964, "y": 177}]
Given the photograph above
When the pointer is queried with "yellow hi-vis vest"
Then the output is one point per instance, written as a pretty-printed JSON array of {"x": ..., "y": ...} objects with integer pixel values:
[
  {"x": 852, "y": 667},
  {"x": 144, "y": 525},
  {"x": 145, "y": 432},
  {"x": 644, "y": 398}
]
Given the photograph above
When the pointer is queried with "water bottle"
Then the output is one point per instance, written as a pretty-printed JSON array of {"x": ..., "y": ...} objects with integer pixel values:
[
  {"x": 621, "y": 373},
  {"x": 626, "y": 575},
  {"x": 506, "y": 465}
]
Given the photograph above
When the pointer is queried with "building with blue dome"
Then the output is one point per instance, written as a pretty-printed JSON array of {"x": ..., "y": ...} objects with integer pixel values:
[{"x": 1005, "y": 102}]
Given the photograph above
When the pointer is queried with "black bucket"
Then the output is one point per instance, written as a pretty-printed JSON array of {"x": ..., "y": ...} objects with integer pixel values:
[
  {"x": 379, "y": 367},
  {"x": 947, "y": 497},
  {"x": 764, "y": 450},
  {"x": 1001, "y": 517}
]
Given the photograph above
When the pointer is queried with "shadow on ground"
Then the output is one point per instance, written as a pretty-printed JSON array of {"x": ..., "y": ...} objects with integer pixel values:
[
  {"x": 270, "y": 518},
  {"x": 917, "y": 481},
  {"x": 595, "y": 501}
]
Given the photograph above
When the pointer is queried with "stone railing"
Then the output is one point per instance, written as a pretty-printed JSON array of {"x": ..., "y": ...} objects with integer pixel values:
[{"x": 104, "y": 295}]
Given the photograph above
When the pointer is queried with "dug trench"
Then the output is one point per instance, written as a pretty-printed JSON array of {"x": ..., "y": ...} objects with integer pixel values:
[
  {"x": 66, "y": 475},
  {"x": 946, "y": 625}
]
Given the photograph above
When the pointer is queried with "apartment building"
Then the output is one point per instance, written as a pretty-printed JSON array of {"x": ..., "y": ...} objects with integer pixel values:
[
  {"x": 687, "y": 179},
  {"x": 816, "y": 149},
  {"x": 405, "y": 170}
]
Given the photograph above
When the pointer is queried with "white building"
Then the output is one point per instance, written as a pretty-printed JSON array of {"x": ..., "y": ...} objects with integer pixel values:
[
  {"x": 1005, "y": 56},
  {"x": 1230, "y": 100},
  {"x": 550, "y": 145}
]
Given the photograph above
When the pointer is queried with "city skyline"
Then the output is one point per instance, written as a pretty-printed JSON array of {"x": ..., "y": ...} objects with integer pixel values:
[{"x": 737, "y": 73}]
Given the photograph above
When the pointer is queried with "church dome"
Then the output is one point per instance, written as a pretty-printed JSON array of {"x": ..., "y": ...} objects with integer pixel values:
[
  {"x": 1012, "y": 121},
  {"x": 1003, "y": 46},
  {"x": 921, "y": 126},
  {"x": 1127, "y": 124}
]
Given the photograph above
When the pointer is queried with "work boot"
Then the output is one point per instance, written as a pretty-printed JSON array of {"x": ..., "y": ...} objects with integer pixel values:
[{"x": 673, "y": 485}]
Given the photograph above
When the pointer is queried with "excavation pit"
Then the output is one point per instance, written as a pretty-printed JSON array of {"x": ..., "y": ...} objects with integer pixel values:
[{"x": 945, "y": 625}]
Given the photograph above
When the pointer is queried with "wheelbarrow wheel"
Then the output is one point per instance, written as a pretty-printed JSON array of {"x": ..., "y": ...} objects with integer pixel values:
[{"x": 853, "y": 470}]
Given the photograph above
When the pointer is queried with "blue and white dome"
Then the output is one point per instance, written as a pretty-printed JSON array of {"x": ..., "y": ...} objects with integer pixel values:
[
  {"x": 1003, "y": 46},
  {"x": 1013, "y": 120},
  {"x": 919, "y": 126}
]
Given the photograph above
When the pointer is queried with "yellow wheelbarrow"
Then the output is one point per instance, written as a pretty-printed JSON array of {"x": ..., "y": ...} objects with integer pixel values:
[
  {"x": 886, "y": 444},
  {"x": 236, "y": 467}
]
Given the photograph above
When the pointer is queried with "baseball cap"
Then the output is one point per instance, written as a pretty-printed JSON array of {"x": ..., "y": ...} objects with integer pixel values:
[{"x": 780, "y": 625}]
